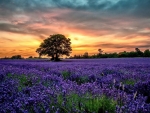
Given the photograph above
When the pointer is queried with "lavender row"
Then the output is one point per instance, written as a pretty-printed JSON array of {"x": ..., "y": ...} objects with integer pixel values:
[{"x": 79, "y": 86}]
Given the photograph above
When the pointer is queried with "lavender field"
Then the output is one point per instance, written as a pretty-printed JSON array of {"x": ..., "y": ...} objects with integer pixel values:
[{"x": 75, "y": 86}]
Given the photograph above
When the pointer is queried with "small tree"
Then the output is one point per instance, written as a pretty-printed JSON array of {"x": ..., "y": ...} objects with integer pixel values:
[
  {"x": 55, "y": 46},
  {"x": 85, "y": 55},
  {"x": 147, "y": 53},
  {"x": 100, "y": 52},
  {"x": 30, "y": 57},
  {"x": 139, "y": 52},
  {"x": 16, "y": 57}
]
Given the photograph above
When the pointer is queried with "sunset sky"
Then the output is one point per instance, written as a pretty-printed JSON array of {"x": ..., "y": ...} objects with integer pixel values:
[{"x": 112, "y": 25}]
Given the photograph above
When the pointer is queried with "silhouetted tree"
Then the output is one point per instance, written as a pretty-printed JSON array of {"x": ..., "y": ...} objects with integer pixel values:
[
  {"x": 100, "y": 51},
  {"x": 139, "y": 52},
  {"x": 16, "y": 57},
  {"x": 30, "y": 57},
  {"x": 112, "y": 55},
  {"x": 77, "y": 56},
  {"x": 55, "y": 46},
  {"x": 132, "y": 54},
  {"x": 147, "y": 53},
  {"x": 85, "y": 55},
  {"x": 123, "y": 54}
]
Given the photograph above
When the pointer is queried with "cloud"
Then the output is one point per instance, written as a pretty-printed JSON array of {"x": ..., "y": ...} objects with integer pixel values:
[
  {"x": 11, "y": 28},
  {"x": 76, "y": 38},
  {"x": 100, "y": 20},
  {"x": 94, "y": 18},
  {"x": 136, "y": 7},
  {"x": 109, "y": 45},
  {"x": 6, "y": 39}
]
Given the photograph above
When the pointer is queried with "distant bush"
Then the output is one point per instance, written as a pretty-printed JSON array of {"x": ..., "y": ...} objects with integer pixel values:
[
  {"x": 30, "y": 57},
  {"x": 16, "y": 57}
]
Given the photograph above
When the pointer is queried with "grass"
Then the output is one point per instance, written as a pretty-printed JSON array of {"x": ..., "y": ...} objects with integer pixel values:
[
  {"x": 87, "y": 103},
  {"x": 66, "y": 74},
  {"x": 129, "y": 82},
  {"x": 79, "y": 79},
  {"x": 23, "y": 80}
]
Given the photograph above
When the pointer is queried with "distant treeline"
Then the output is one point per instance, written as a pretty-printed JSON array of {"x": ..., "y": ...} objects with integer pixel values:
[
  {"x": 13, "y": 57},
  {"x": 100, "y": 54},
  {"x": 20, "y": 57}
]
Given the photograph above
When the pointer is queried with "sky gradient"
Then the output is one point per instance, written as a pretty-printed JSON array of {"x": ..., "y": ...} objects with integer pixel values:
[{"x": 112, "y": 25}]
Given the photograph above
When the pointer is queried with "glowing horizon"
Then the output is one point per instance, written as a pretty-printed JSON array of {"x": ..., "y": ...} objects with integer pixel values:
[{"x": 112, "y": 26}]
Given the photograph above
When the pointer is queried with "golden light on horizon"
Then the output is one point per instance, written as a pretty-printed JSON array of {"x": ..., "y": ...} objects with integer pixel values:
[
  {"x": 27, "y": 44},
  {"x": 14, "y": 44}
]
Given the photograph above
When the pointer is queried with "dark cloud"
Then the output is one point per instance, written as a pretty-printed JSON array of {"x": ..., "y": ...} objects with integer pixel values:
[
  {"x": 10, "y": 28},
  {"x": 139, "y": 44},
  {"x": 140, "y": 7},
  {"x": 127, "y": 46},
  {"x": 23, "y": 29}
]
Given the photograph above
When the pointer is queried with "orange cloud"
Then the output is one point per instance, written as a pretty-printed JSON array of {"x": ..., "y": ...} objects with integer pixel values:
[{"x": 21, "y": 32}]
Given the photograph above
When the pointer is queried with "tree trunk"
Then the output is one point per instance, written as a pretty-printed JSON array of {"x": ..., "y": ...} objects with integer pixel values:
[
  {"x": 53, "y": 58},
  {"x": 57, "y": 57}
]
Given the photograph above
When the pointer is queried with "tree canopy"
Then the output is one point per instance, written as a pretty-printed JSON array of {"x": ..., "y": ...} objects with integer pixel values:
[{"x": 55, "y": 46}]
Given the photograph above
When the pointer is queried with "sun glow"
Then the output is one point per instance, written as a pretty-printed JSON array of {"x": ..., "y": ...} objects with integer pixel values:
[{"x": 18, "y": 44}]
